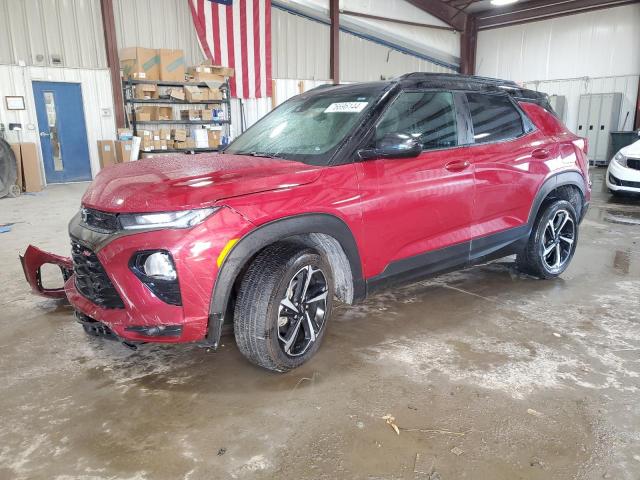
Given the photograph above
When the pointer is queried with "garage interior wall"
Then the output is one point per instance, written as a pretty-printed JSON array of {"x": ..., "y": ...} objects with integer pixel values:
[
  {"x": 60, "y": 41},
  {"x": 595, "y": 52}
]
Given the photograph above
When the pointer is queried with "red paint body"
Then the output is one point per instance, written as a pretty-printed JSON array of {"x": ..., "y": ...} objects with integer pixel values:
[{"x": 394, "y": 208}]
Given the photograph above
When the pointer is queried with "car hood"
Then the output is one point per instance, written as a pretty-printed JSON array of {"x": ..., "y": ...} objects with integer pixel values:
[
  {"x": 180, "y": 182},
  {"x": 632, "y": 150}
]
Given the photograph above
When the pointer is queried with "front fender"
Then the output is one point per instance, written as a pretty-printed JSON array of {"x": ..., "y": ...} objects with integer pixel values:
[{"x": 32, "y": 262}]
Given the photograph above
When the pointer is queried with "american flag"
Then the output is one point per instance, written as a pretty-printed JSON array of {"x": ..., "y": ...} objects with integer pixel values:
[{"x": 237, "y": 34}]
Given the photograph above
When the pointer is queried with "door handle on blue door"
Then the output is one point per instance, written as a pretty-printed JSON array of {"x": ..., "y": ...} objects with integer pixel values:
[
  {"x": 540, "y": 153},
  {"x": 457, "y": 165}
]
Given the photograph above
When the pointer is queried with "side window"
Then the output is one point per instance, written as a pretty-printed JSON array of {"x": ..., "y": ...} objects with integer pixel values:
[
  {"x": 494, "y": 118},
  {"x": 427, "y": 115}
]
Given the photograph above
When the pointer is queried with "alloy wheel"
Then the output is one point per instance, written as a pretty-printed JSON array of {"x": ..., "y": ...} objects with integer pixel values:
[
  {"x": 557, "y": 240},
  {"x": 302, "y": 311}
]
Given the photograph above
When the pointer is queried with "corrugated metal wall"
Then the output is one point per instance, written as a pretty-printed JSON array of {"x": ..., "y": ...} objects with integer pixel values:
[
  {"x": 595, "y": 52},
  {"x": 362, "y": 60},
  {"x": 596, "y": 44},
  {"x": 300, "y": 50},
  {"x": 37, "y": 31},
  {"x": 157, "y": 24},
  {"x": 96, "y": 94},
  {"x": 573, "y": 88},
  {"x": 299, "y": 46}
]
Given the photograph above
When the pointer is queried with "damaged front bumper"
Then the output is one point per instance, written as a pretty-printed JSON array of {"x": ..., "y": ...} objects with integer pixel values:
[{"x": 32, "y": 263}]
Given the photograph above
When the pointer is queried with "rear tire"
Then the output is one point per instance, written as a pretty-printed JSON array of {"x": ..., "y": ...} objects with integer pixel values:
[
  {"x": 552, "y": 242},
  {"x": 278, "y": 322}
]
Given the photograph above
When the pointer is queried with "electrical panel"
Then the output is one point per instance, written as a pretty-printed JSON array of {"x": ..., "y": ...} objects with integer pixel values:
[{"x": 598, "y": 116}]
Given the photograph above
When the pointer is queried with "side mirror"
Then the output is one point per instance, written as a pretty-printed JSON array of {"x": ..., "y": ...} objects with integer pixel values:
[{"x": 393, "y": 145}]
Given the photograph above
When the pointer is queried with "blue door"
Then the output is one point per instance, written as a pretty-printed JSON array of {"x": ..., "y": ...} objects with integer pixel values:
[{"x": 63, "y": 135}]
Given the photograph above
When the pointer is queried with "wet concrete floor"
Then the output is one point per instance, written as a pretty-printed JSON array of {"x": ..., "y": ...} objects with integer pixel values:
[{"x": 488, "y": 374}]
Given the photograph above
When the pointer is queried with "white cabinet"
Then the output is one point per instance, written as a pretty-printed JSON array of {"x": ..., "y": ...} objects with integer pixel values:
[{"x": 598, "y": 115}]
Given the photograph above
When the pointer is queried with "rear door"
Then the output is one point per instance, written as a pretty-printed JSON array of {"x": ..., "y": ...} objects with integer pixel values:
[
  {"x": 63, "y": 134},
  {"x": 506, "y": 153},
  {"x": 417, "y": 211}
]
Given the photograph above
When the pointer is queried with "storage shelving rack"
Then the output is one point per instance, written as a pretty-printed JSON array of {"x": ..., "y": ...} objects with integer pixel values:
[{"x": 130, "y": 103}]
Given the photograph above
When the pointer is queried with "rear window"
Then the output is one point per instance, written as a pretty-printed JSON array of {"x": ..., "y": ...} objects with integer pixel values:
[{"x": 494, "y": 118}]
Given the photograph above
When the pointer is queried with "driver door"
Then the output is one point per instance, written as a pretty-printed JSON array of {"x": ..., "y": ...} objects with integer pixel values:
[{"x": 417, "y": 211}]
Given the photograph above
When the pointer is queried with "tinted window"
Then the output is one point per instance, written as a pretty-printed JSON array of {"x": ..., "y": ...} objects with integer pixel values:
[
  {"x": 427, "y": 115},
  {"x": 494, "y": 118}
]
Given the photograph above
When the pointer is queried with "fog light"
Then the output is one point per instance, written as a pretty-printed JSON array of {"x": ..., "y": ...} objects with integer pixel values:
[
  {"x": 157, "y": 270},
  {"x": 159, "y": 266}
]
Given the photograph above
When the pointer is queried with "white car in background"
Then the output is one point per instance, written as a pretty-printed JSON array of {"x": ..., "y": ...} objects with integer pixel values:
[{"x": 623, "y": 173}]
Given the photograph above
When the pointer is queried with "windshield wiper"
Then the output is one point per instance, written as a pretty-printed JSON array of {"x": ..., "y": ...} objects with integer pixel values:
[{"x": 263, "y": 154}]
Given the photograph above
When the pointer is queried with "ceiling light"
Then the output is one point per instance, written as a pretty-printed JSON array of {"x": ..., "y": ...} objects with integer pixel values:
[{"x": 500, "y": 3}]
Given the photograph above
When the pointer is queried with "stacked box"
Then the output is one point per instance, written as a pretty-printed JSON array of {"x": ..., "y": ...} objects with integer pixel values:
[
  {"x": 145, "y": 92},
  {"x": 140, "y": 63},
  {"x": 171, "y": 65}
]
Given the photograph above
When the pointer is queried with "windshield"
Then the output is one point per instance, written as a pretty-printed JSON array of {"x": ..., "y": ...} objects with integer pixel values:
[{"x": 309, "y": 127}]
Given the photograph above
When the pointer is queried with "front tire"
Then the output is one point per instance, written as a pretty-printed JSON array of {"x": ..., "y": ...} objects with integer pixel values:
[
  {"x": 283, "y": 306},
  {"x": 552, "y": 242}
]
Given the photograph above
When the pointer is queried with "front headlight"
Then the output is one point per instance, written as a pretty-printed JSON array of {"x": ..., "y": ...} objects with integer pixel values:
[
  {"x": 182, "y": 219},
  {"x": 621, "y": 159}
]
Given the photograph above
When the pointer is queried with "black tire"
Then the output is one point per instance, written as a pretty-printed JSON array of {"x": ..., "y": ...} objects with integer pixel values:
[
  {"x": 532, "y": 260},
  {"x": 259, "y": 316}
]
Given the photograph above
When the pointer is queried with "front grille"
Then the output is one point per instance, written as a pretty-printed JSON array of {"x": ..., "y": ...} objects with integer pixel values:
[
  {"x": 633, "y": 163},
  {"x": 623, "y": 183},
  {"x": 91, "y": 279},
  {"x": 102, "y": 222}
]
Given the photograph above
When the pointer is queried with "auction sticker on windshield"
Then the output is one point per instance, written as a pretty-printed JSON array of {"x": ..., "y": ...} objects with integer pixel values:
[{"x": 346, "y": 107}]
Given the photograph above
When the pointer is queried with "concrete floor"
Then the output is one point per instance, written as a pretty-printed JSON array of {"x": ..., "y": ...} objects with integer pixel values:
[{"x": 489, "y": 375}]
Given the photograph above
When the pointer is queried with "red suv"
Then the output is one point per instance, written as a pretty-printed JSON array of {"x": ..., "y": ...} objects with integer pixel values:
[{"x": 338, "y": 192}]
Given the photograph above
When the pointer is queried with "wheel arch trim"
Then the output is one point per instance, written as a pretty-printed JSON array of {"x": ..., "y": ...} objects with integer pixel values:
[
  {"x": 569, "y": 178},
  {"x": 264, "y": 235}
]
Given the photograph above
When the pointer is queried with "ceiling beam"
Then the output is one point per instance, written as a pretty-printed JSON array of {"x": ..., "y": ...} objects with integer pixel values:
[
  {"x": 535, "y": 10},
  {"x": 449, "y": 14}
]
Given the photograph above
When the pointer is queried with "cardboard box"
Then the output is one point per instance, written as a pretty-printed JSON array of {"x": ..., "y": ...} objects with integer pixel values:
[
  {"x": 206, "y": 114},
  {"x": 200, "y": 137},
  {"x": 214, "y": 138},
  {"x": 195, "y": 94},
  {"x": 140, "y": 63},
  {"x": 224, "y": 71},
  {"x": 176, "y": 93},
  {"x": 146, "y": 143},
  {"x": 159, "y": 144},
  {"x": 162, "y": 113},
  {"x": 171, "y": 65},
  {"x": 179, "y": 134},
  {"x": 209, "y": 72},
  {"x": 164, "y": 133},
  {"x": 214, "y": 94},
  {"x": 106, "y": 153},
  {"x": 146, "y": 92},
  {"x": 125, "y": 134},
  {"x": 123, "y": 151},
  {"x": 144, "y": 114},
  {"x": 29, "y": 175},
  {"x": 191, "y": 115}
]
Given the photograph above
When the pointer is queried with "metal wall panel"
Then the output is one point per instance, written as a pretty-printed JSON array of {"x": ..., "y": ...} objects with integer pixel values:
[
  {"x": 157, "y": 24},
  {"x": 363, "y": 60},
  {"x": 37, "y": 31},
  {"x": 573, "y": 88},
  {"x": 96, "y": 95},
  {"x": 299, "y": 46},
  {"x": 300, "y": 50},
  {"x": 602, "y": 43}
]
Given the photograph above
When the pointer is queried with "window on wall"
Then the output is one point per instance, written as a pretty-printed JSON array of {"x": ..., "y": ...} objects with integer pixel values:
[
  {"x": 430, "y": 116},
  {"x": 494, "y": 118}
]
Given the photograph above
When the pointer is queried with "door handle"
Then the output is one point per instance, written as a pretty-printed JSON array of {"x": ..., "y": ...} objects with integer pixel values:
[
  {"x": 540, "y": 153},
  {"x": 45, "y": 134},
  {"x": 457, "y": 165}
]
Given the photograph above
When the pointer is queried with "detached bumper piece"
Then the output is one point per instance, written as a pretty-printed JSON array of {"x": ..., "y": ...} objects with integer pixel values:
[{"x": 33, "y": 260}]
